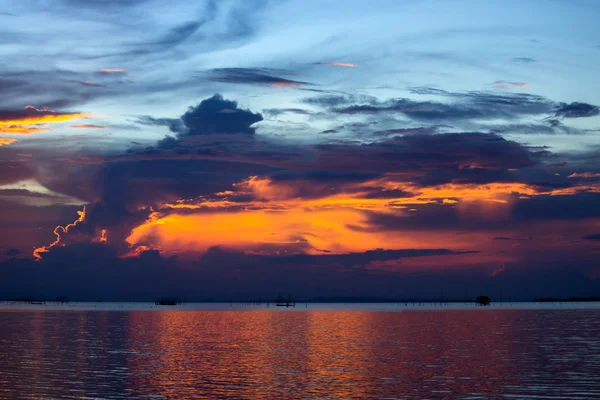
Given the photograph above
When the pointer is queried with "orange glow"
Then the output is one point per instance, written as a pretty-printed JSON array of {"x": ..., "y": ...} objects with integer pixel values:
[
  {"x": 44, "y": 118},
  {"x": 21, "y": 130},
  {"x": 32, "y": 122},
  {"x": 102, "y": 238},
  {"x": 280, "y": 219},
  {"x": 265, "y": 189},
  {"x": 338, "y": 64},
  {"x": 284, "y": 85},
  {"x": 585, "y": 175},
  {"x": 37, "y": 253},
  {"x": 296, "y": 231},
  {"x": 6, "y": 141}
]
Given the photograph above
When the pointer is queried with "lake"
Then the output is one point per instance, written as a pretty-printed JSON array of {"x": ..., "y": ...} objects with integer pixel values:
[{"x": 125, "y": 351}]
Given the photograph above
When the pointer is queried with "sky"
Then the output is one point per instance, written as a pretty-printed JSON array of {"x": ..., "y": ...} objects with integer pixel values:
[{"x": 239, "y": 149}]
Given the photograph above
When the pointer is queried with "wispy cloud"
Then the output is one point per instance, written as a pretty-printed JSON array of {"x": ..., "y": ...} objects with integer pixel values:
[
  {"x": 88, "y": 126},
  {"x": 111, "y": 70},
  {"x": 253, "y": 76},
  {"x": 337, "y": 64},
  {"x": 586, "y": 175},
  {"x": 524, "y": 60},
  {"x": 504, "y": 85}
]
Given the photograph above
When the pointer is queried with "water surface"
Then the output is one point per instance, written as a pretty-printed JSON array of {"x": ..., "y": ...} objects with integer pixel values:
[{"x": 462, "y": 353}]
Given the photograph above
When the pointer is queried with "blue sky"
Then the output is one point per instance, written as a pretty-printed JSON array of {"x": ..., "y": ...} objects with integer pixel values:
[{"x": 168, "y": 51}]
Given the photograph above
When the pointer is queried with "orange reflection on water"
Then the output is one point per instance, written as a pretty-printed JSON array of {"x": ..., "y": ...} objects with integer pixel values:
[{"x": 337, "y": 354}]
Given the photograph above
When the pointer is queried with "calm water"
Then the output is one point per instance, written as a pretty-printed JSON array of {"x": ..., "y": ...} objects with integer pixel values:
[{"x": 454, "y": 353}]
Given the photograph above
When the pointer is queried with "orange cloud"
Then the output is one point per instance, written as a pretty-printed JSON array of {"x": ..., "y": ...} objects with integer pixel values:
[
  {"x": 286, "y": 217},
  {"x": 584, "y": 175},
  {"x": 280, "y": 219},
  {"x": 295, "y": 230},
  {"x": 6, "y": 141},
  {"x": 21, "y": 129},
  {"x": 284, "y": 84},
  {"x": 45, "y": 117},
  {"x": 33, "y": 120},
  {"x": 337, "y": 64},
  {"x": 58, "y": 231}
]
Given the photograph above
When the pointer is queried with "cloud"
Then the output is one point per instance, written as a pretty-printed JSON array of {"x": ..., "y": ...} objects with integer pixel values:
[
  {"x": 33, "y": 197},
  {"x": 56, "y": 89},
  {"x": 275, "y": 112},
  {"x": 12, "y": 252},
  {"x": 174, "y": 124},
  {"x": 207, "y": 186},
  {"x": 86, "y": 83},
  {"x": 6, "y": 141},
  {"x": 30, "y": 119},
  {"x": 58, "y": 231},
  {"x": 22, "y": 130},
  {"x": 252, "y": 76},
  {"x": 94, "y": 271},
  {"x": 337, "y": 64},
  {"x": 576, "y": 110},
  {"x": 88, "y": 126},
  {"x": 524, "y": 60},
  {"x": 217, "y": 115},
  {"x": 506, "y": 84},
  {"x": 592, "y": 237},
  {"x": 465, "y": 106},
  {"x": 111, "y": 70},
  {"x": 586, "y": 175}
]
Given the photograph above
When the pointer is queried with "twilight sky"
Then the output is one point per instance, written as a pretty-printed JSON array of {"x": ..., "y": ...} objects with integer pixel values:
[{"x": 237, "y": 149}]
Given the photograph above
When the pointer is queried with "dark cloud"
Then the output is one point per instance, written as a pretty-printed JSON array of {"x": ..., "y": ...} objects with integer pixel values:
[
  {"x": 408, "y": 131},
  {"x": 557, "y": 165},
  {"x": 501, "y": 238},
  {"x": 251, "y": 76},
  {"x": 578, "y": 206},
  {"x": 218, "y": 116},
  {"x": 577, "y": 110},
  {"x": 323, "y": 175},
  {"x": 519, "y": 216},
  {"x": 465, "y": 106},
  {"x": 94, "y": 272},
  {"x": 12, "y": 252},
  {"x": 434, "y": 159},
  {"x": 313, "y": 184},
  {"x": 205, "y": 157},
  {"x": 592, "y": 237}
]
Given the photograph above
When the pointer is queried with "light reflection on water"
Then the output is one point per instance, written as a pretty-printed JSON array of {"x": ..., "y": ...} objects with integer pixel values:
[{"x": 311, "y": 354}]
